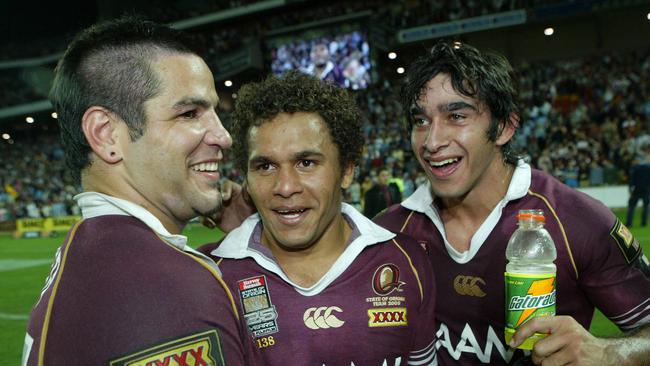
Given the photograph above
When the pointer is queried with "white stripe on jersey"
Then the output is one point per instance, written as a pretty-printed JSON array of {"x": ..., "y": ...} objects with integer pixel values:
[
  {"x": 634, "y": 310},
  {"x": 641, "y": 322},
  {"x": 629, "y": 320},
  {"x": 425, "y": 356}
]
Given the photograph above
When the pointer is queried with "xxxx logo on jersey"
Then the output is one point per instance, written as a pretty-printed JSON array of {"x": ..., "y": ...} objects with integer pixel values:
[
  {"x": 387, "y": 317},
  {"x": 260, "y": 314},
  {"x": 201, "y": 349}
]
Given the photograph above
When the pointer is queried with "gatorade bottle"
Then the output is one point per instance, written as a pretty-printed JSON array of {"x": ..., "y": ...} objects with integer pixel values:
[{"x": 530, "y": 274}]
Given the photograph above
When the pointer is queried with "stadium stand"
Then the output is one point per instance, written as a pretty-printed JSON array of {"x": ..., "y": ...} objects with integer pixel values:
[{"x": 586, "y": 117}]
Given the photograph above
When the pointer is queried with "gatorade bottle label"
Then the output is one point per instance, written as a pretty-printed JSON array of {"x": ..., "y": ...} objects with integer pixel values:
[{"x": 528, "y": 296}]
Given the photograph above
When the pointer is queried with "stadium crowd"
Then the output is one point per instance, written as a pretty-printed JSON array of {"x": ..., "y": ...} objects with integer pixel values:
[
  {"x": 34, "y": 180},
  {"x": 585, "y": 121},
  {"x": 221, "y": 38}
]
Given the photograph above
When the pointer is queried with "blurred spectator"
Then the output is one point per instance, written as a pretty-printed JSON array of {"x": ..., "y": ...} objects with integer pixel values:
[
  {"x": 640, "y": 188},
  {"x": 382, "y": 194}
]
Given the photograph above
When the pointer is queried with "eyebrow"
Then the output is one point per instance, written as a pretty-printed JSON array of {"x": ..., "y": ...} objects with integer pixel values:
[
  {"x": 258, "y": 160},
  {"x": 454, "y": 106},
  {"x": 189, "y": 101},
  {"x": 302, "y": 155},
  {"x": 307, "y": 154}
]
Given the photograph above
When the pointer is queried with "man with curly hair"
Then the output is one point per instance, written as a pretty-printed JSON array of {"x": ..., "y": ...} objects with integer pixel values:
[{"x": 317, "y": 282}]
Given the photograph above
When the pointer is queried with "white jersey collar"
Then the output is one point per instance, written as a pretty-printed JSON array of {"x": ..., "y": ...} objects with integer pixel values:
[
  {"x": 95, "y": 204},
  {"x": 422, "y": 201},
  {"x": 236, "y": 246}
]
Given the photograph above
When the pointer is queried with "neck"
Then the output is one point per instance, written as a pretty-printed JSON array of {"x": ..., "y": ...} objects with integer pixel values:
[
  {"x": 306, "y": 266},
  {"x": 106, "y": 183}
]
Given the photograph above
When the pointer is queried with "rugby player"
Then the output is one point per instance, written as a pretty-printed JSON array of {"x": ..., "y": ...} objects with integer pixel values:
[
  {"x": 137, "y": 112},
  {"x": 318, "y": 283},
  {"x": 462, "y": 115}
]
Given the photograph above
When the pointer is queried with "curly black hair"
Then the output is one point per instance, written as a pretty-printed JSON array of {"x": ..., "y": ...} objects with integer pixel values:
[
  {"x": 261, "y": 102},
  {"x": 484, "y": 76}
]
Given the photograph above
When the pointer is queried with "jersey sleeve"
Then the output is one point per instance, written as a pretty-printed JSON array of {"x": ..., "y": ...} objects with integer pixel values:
[
  {"x": 149, "y": 303},
  {"x": 613, "y": 270}
]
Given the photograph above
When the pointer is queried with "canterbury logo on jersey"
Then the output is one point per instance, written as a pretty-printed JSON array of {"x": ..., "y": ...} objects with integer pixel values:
[
  {"x": 468, "y": 285},
  {"x": 322, "y": 317}
]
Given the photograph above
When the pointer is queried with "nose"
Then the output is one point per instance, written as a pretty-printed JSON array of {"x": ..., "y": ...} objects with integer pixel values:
[
  {"x": 287, "y": 182},
  {"x": 436, "y": 137},
  {"x": 216, "y": 133}
]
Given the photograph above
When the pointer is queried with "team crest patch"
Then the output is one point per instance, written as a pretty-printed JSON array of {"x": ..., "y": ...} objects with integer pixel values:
[
  {"x": 259, "y": 312},
  {"x": 626, "y": 242},
  {"x": 197, "y": 349},
  {"x": 387, "y": 317},
  {"x": 386, "y": 280}
]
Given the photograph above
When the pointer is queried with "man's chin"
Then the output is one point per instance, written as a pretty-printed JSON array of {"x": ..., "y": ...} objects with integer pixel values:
[
  {"x": 207, "y": 204},
  {"x": 216, "y": 207}
]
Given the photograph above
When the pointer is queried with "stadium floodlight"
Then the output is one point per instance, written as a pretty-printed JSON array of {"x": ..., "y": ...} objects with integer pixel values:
[
  {"x": 400, "y": 70},
  {"x": 6, "y": 136},
  {"x": 457, "y": 44},
  {"x": 549, "y": 31},
  {"x": 29, "y": 119},
  {"x": 392, "y": 55},
  {"x": 54, "y": 115},
  {"x": 227, "y": 83},
  {"x": 648, "y": 16},
  {"x": 234, "y": 95}
]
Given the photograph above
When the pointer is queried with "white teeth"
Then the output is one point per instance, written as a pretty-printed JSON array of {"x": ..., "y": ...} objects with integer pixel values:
[
  {"x": 443, "y": 162},
  {"x": 206, "y": 167},
  {"x": 291, "y": 213}
]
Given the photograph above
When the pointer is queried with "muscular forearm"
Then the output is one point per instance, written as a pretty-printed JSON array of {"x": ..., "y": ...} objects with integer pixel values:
[
  {"x": 632, "y": 349},
  {"x": 569, "y": 343}
]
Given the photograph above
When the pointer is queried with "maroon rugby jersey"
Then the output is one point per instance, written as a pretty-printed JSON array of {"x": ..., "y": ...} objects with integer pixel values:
[
  {"x": 598, "y": 263},
  {"x": 119, "y": 295},
  {"x": 375, "y": 306}
]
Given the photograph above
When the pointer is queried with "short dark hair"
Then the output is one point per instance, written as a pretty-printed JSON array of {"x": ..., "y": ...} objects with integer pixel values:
[
  {"x": 109, "y": 65},
  {"x": 486, "y": 77},
  {"x": 258, "y": 103}
]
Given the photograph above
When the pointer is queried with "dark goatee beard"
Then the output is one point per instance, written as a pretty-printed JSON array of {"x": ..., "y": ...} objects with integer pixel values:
[
  {"x": 217, "y": 207},
  {"x": 215, "y": 210}
]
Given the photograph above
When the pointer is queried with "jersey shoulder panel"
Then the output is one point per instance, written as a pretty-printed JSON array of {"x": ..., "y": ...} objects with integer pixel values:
[{"x": 119, "y": 276}]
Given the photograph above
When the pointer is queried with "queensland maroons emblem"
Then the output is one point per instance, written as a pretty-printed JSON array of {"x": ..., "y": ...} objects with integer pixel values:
[{"x": 386, "y": 279}]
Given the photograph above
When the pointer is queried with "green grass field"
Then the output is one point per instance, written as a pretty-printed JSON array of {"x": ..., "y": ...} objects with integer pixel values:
[{"x": 25, "y": 263}]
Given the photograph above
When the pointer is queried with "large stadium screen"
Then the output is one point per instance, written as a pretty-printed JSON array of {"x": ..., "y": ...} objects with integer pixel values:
[{"x": 342, "y": 57}]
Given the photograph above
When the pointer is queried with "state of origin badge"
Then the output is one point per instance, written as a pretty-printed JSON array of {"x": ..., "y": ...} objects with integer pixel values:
[{"x": 260, "y": 314}]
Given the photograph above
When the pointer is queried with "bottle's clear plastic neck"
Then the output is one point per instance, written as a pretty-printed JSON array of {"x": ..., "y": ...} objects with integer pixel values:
[
  {"x": 531, "y": 219},
  {"x": 530, "y": 224}
]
